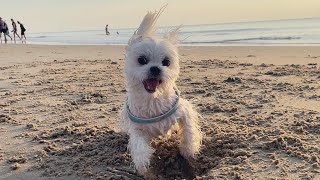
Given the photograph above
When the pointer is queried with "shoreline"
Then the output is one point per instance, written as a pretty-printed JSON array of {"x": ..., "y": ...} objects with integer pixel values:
[{"x": 209, "y": 44}]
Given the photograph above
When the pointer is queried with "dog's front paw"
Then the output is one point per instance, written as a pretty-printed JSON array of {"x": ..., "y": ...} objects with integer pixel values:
[
  {"x": 142, "y": 166},
  {"x": 190, "y": 145},
  {"x": 142, "y": 163},
  {"x": 142, "y": 169},
  {"x": 189, "y": 151}
]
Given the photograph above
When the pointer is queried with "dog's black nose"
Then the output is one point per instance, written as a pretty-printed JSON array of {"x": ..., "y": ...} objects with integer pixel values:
[{"x": 155, "y": 71}]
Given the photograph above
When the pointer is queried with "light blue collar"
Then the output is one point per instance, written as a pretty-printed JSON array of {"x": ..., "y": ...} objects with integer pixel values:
[{"x": 157, "y": 118}]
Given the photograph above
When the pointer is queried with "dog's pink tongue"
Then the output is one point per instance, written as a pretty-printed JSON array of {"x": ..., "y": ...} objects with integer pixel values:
[{"x": 151, "y": 84}]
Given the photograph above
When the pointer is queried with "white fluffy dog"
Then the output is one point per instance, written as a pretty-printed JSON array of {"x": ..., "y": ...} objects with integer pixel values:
[{"x": 153, "y": 106}]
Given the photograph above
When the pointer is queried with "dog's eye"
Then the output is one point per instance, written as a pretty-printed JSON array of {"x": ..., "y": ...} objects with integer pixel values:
[
  {"x": 166, "y": 61},
  {"x": 143, "y": 60}
]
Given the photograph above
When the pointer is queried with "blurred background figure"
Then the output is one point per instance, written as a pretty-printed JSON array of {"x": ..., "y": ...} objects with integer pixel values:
[
  {"x": 14, "y": 30},
  {"x": 23, "y": 30},
  {"x": 107, "y": 31},
  {"x": 6, "y": 29},
  {"x": 2, "y": 30}
]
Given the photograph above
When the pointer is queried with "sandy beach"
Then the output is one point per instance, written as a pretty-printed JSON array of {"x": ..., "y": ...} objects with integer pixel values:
[{"x": 260, "y": 107}]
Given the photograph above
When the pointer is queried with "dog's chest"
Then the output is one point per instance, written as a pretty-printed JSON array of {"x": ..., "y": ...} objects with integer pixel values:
[
  {"x": 163, "y": 127},
  {"x": 154, "y": 108}
]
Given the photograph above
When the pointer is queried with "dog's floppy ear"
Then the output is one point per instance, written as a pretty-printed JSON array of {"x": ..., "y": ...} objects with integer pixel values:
[
  {"x": 147, "y": 26},
  {"x": 172, "y": 35}
]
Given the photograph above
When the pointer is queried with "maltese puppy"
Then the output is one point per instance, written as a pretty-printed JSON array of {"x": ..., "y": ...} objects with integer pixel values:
[{"x": 153, "y": 106}]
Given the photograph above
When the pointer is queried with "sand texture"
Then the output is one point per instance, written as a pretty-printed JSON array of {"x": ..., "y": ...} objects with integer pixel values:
[{"x": 58, "y": 114}]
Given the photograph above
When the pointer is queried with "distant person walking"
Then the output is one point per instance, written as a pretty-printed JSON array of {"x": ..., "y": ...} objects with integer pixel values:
[
  {"x": 6, "y": 28},
  {"x": 15, "y": 30},
  {"x": 107, "y": 32},
  {"x": 23, "y": 30},
  {"x": 2, "y": 30}
]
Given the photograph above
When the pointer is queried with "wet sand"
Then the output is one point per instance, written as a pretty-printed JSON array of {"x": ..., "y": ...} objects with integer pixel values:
[{"x": 260, "y": 106}]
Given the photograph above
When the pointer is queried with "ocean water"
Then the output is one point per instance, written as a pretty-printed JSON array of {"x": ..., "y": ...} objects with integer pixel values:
[{"x": 279, "y": 32}]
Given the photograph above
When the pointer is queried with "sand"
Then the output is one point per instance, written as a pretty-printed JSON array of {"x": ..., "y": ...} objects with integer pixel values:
[{"x": 260, "y": 106}]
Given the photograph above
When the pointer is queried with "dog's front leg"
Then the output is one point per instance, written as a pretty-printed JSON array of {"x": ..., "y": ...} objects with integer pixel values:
[
  {"x": 191, "y": 135},
  {"x": 140, "y": 149}
]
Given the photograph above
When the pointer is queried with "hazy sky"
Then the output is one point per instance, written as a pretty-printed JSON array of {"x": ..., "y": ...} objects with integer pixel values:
[{"x": 59, "y": 15}]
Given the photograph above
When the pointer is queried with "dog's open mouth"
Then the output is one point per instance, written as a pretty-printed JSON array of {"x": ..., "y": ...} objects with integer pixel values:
[{"x": 151, "y": 85}]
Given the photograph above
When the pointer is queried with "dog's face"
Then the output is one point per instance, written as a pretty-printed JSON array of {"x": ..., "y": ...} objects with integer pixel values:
[{"x": 151, "y": 64}]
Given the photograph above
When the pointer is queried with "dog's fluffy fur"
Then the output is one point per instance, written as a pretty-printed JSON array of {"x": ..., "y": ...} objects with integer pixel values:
[{"x": 146, "y": 104}]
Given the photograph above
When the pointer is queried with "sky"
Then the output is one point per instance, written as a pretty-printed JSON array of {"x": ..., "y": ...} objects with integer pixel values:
[{"x": 68, "y": 15}]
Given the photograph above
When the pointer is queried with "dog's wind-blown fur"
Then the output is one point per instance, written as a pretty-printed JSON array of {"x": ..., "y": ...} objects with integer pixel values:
[{"x": 146, "y": 104}]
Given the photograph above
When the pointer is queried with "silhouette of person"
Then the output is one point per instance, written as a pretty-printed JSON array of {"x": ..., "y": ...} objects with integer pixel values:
[
  {"x": 6, "y": 28},
  {"x": 107, "y": 32},
  {"x": 14, "y": 30},
  {"x": 23, "y": 30},
  {"x": 2, "y": 30}
]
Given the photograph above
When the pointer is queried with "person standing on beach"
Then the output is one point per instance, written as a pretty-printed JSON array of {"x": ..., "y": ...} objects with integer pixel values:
[
  {"x": 2, "y": 30},
  {"x": 6, "y": 28},
  {"x": 107, "y": 32},
  {"x": 23, "y": 30},
  {"x": 15, "y": 30}
]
